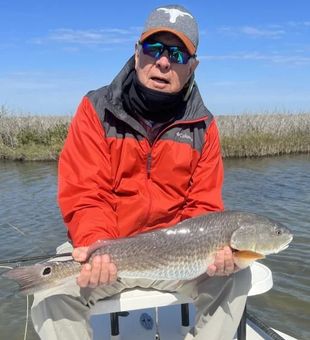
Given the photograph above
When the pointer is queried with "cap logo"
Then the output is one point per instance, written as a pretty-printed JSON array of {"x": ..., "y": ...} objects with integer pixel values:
[{"x": 174, "y": 13}]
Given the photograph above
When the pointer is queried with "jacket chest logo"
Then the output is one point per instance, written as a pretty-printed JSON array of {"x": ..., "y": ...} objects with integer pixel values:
[{"x": 184, "y": 136}]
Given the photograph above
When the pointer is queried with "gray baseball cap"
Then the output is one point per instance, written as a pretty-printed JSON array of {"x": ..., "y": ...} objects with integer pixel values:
[{"x": 174, "y": 19}]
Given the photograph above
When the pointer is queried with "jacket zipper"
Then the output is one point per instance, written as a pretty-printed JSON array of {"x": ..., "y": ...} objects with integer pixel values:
[
  {"x": 147, "y": 184},
  {"x": 149, "y": 160},
  {"x": 149, "y": 164}
]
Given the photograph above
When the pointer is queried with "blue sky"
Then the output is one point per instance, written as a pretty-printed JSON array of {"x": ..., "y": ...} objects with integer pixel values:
[{"x": 254, "y": 55}]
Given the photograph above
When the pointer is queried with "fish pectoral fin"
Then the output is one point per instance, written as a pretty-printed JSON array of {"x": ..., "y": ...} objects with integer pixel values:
[{"x": 244, "y": 258}]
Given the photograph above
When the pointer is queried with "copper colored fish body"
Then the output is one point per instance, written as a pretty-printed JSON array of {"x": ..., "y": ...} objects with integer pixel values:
[{"x": 180, "y": 252}]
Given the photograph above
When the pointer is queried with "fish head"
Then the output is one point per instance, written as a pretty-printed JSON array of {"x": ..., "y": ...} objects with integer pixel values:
[{"x": 260, "y": 235}]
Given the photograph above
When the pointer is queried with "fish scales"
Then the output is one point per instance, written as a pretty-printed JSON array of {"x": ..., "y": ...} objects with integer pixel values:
[{"x": 180, "y": 252}]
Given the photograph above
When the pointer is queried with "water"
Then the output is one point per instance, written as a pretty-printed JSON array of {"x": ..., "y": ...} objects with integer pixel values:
[
  {"x": 276, "y": 187},
  {"x": 279, "y": 188}
]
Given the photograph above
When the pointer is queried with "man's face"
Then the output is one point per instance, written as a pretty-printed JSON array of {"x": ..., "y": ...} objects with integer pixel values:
[{"x": 161, "y": 74}]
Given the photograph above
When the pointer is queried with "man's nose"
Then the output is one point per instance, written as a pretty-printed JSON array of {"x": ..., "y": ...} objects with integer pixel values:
[{"x": 163, "y": 61}]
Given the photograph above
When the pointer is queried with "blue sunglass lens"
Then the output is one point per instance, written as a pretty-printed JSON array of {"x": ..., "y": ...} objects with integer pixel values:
[
  {"x": 156, "y": 49},
  {"x": 178, "y": 56}
]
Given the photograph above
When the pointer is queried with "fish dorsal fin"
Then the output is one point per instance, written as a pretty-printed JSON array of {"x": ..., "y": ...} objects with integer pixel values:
[{"x": 244, "y": 258}]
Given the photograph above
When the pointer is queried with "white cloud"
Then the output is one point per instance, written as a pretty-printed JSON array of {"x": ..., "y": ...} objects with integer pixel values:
[
  {"x": 266, "y": 31},
  {"x": 298, "y": 23},
  {"x": 105, "y": 36},
  {"x": 231, "y": 83},
  {"x": 257, "y": 32},
  {"x": 255, "y": 56},
  {"x": 270, "y": 31}
]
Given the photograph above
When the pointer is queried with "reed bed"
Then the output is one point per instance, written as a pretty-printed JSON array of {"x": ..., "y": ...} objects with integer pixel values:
[
  {"x": 264, "y": 135},
  {"x": 32, "y": 137},
  {"x": 41, "y": 137}
]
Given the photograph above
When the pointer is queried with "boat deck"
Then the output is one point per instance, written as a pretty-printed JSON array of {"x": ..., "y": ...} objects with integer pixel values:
[
  {"x": 138, "y": 302},
  {"x": 169, "y": 326}
]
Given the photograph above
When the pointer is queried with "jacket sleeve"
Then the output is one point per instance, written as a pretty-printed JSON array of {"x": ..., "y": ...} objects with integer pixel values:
[
  {"x": 205, "y": 192},
  {"x": 84, "y": 180}
]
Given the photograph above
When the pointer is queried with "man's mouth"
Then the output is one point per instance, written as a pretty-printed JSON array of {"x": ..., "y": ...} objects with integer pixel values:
[{"x": 160, "y": 80}]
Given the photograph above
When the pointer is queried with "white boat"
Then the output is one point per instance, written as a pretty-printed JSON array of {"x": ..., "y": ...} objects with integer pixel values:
[{"x": 155, "y": 315}]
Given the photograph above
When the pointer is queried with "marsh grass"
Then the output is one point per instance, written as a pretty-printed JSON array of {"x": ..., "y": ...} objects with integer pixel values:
[
  {"x": 42, "y": 137},
  {"x": 264, "y": 135},
  {"x": 32, "y": 137}
]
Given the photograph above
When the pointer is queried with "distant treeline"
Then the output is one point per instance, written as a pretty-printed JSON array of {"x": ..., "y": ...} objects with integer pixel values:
[{"x": 42, "y": 137}]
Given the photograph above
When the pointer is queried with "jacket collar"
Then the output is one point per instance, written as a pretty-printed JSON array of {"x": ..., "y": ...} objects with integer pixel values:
[{"x": 195, "y": 108}]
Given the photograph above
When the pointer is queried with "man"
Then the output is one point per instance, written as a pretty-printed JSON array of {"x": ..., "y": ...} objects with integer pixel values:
[{"x": 143, "y": 153}]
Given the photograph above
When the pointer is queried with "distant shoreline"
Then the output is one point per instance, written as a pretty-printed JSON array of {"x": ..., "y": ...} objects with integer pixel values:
[{"x": 40, "y": 138}]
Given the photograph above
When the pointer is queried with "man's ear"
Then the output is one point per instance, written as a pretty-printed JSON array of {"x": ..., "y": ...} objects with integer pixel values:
[
  {"x": 137, "y": 54},
  {"x": 191, "y": 80},
  {"x": 190, "y": 85},
  {"x": 192, "y": 66}
]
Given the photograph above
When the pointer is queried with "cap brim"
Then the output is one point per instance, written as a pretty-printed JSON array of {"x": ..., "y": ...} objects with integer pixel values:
[{"x": 188, "y": 44}]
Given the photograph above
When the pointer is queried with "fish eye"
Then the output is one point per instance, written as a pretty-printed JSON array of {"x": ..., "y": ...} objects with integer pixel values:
[
  {"x": 46, "y": 271},
  {"x": 278, "y": 232}
]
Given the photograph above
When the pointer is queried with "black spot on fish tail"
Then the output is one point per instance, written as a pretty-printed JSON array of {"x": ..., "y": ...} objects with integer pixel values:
[{"x": 47, "y": 271}]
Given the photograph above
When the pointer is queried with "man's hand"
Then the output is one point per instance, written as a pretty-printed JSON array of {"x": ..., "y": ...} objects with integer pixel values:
[
  {"x": 223, "y": 264},
  {"x": 100, "y": 271}
]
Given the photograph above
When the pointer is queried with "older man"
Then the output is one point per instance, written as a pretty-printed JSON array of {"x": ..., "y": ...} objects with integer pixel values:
[{"x": 143, "y": 153}]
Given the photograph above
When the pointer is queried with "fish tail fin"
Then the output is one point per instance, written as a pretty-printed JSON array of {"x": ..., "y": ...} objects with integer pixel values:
[{"x": 29, "y": 278}]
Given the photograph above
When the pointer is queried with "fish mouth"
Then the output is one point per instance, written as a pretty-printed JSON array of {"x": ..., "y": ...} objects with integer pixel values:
[{"x": 285, "y": 245}]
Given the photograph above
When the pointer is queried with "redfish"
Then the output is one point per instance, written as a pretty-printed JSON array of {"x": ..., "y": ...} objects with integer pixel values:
[{"x": 180, "y": 252}]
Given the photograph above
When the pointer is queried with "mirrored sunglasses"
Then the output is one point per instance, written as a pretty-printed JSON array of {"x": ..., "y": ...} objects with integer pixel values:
[{"x": 176, "y": 54}]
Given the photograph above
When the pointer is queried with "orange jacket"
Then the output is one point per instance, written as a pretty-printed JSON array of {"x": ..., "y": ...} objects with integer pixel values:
[{"x": 113, "y": 183}]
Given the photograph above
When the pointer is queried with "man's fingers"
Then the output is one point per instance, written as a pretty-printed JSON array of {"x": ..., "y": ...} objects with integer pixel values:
[
  {"x": 96, "y": 269},
  {"x": 80, "y": 254},
  {"x": 83, "y": 278},
  {"x": 219, "y": 262},
  {"x": 113, "y": 272},
  {"x": 223, "y": 263},
  {"x": 100, "y": 271},
  {"x": 104, "y": 275},
  {"x": 228, "y": 261},
  {"x": 211, "y": 270}
]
